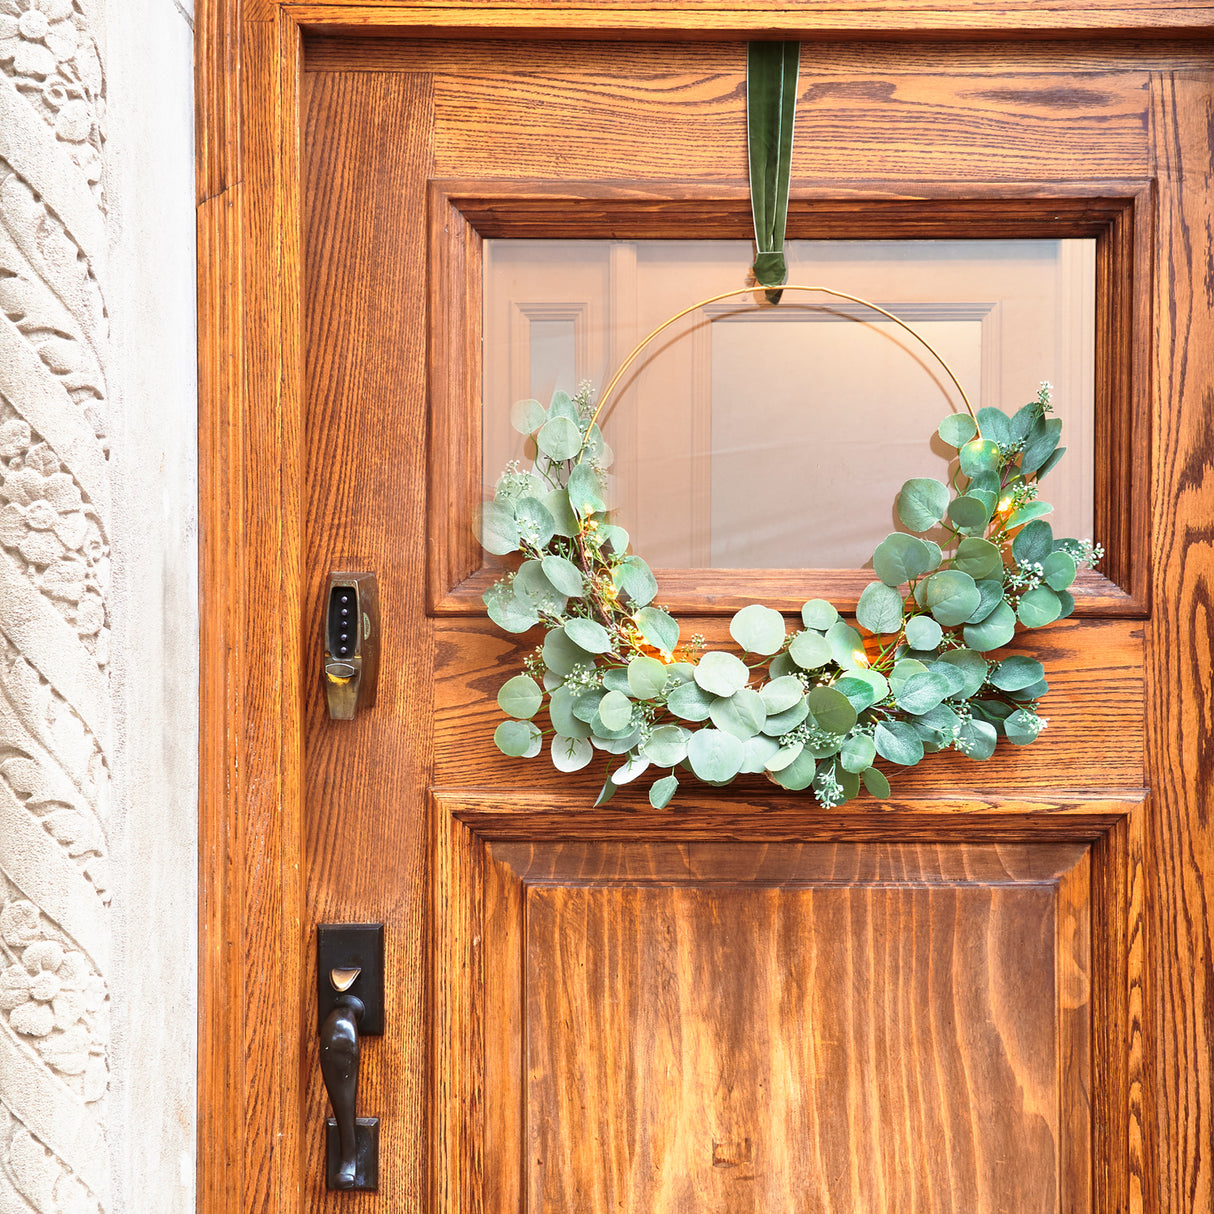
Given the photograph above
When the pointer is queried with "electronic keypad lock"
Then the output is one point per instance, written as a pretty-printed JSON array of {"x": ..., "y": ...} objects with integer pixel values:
[{"x": 351, "y": 643}]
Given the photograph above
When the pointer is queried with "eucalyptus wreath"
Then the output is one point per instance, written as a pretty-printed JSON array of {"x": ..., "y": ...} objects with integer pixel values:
[{"x": 812, "y": 707}]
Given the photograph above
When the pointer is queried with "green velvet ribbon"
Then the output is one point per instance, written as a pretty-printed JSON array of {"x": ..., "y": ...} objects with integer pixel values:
[{"x": 771, "y": 106}]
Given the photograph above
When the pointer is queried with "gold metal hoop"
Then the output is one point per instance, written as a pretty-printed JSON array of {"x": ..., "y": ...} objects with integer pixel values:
[{"x": 703, "y": 303}]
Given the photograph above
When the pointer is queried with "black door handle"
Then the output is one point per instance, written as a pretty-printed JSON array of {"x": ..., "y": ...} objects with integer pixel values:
[{"x": 339, "y": 1068}]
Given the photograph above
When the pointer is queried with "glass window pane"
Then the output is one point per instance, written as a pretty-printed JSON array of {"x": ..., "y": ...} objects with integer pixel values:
[{"x": 778, "y": 438}]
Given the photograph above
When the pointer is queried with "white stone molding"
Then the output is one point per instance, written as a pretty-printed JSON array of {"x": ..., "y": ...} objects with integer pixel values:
[{"x": 55, "y": 710}]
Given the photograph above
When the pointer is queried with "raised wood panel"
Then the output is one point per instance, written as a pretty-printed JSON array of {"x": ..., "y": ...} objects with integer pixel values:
[{"x": 783, "y": 1024}]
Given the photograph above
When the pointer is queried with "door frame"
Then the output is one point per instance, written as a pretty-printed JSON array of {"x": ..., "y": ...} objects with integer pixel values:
[{"x": 253, "y": 952}]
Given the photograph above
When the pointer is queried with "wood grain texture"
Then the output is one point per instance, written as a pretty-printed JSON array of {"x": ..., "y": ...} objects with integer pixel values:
[
  {"x": 368, "y": 155},
  {"x": 1180, "y": 699}
]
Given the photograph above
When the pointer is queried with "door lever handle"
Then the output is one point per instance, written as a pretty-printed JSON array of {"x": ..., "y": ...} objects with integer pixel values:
[{"x": 339, "y": 1068}]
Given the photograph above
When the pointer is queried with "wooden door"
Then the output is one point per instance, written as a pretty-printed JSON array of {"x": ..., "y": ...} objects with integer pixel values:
[{"x": 985, "y": 994}]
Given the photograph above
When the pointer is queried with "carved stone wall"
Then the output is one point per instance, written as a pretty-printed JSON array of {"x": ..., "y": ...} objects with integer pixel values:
[{"x": 55, "y": 705}]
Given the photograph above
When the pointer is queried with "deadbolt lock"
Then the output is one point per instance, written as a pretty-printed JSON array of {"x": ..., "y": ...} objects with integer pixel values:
[{"x": 351, "y": 643}]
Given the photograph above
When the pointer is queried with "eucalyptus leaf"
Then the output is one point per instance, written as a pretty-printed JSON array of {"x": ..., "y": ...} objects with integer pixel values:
[
  {"x": 559, "y": 439},
  {"x": 615, "y": 710},
  {"x": 819, "y": 614},
  {"x": 760, "y": 749},
  {"x": 586, "y": 705},
  {"x": 990, "y": 595},
  {"x": 690, "y": 702},
  {"x": 922, "y": 632},
  {"x": 661, "y": 791},
  {"x": 809, "y": 650},
  {"x": 570, "y": 754},
  {"x": 858, "y": 752},
  {"x": 922, "y": 503},
  {"x": 562, "y": 654},
  {"x": 605, "y": 793},
  {"x": 1039, "y": 607},
  {"x": 585, "y": 490},
  {"x": 780, "y": 723},
  {"x": 634, "y": 767},
  {"x": 978, "y": 557},
  {"x": 846, "y": 645},
  {"x": 758, "y": 629},
  {"x": 995, "y": 425},
  {"x": 564, "y": 575},
  {"x": 880, "y": 608},
  {"x": 515, "y": 738},
  {"x": 898, "y": 742},
  {"x": 562, "y": 405},
  {"x": 721, "y": 673},
  {"x": 666, "y": 746},
  {"x": 955, "y": 679},
  {"x": 876, "y": 783},
  {"x": 589, "y": 635},
  {"x": 520, "y": 697},
  {"x": 1042, "y": 440},
  {"x": 715, "y": 757},
  {"x": 797, "y": 775},
  {"x": 741, "y": 714},
  {"x": 977, "y": 739},
  {"x": 633, "y": 577},
  {"x": 995, "y": 631},
  {"x": 904, "y": 669},
  {"x": 646, "y": 677},
  {"x": 1034, "y": 691},
  {"x": 612, "y": 540},
  {"x": 831, "y": 709},
  {"x": 1033, "y": 543},
  {"x": 860, "y": 693},
  {"x": 1022, "y": 727},
  {"x": 922, "y": 692},
  {"x": 564, "y": 521},
  {"x": 957, "y": 429},
  {"x": 980, "y": 455},
  {"x": 899, "y": 558},
  {"x": 969, "y": 512},
  {"x": 784, "y": 756},
  {"x": 951, "y": 596},
  {"x": 1049, "y": 462},
  {"x": 1059, "y": 569},
  {"x": 527, "y": 416},
  {"x": 510, "y": 613},
  {"x": 1016, "y": 672},
  {"x": 659, "y": 629},
  {"x": 496, "y": 528},
  {"x": 560, "y": 712},
  {"x": 1028, "y": 512},
  {"x": 781, "y": 693},
  {"x": 531, "y": 585}
]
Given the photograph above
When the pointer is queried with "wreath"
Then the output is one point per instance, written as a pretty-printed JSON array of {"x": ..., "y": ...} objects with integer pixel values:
[{"x": 809, "y": 708}]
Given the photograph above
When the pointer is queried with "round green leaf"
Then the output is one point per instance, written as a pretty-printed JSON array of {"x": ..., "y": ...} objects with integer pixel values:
[
  {"x": 831, "y": 709},
  {"x": 741, "y": 714},
  {"x": 633, "y": 578},
  {"x": 758, "y": 629},
  {"x": 978, "y": 557},
  {"x": 922, "y": 632},
  {"x": 995, "y": 425},
  {"x": 612, "y": 540},
  {"x": 1017, "y": 672},
  {"x": 589, "y": 635},
  {"x": 903, "y": 669},
  {"x": 516, "y": 738},
  {"x": 784, "y": 756},
  {"x": 560, "y": 711},
  {"x": 922, "y": 692},
  {"x": 798, "y": 774},
  {"x": 954, "y": 678},
  {"x": 1028, "y": 512},
  {"x": 760, "y": 749},
  {"x": 721, "y": 673},
  {"x": 527, "y": 416},
  {"x": 496, "y": 528},
  {"x": 564, "y": 521},
  {"x": 511, "y": 613},
  {"x": 977, "y": 740},
  {"x": 531, "y": 585},
  {"x": 571, "y": 754},
  {"x": 922, "y": 503},
  {"x": 615, "y": 710},
  {"x": 970, "y": 512},
  {"x": 562, "y": 653},
  {"x": 1042, "y": 440},
  {"x": 819, "y": 614},
  {"x": 782, "y": 693},
  {"x": 662, "y": 790},
  {"x": 1022, "y": 727},
  {"x": 520, "y": 697},
  {"x": 667, "y": 745},
  {"x": 898, "y": 742},
  {"x": 997, "y": 629},
  {"x": 990, "y": 595},
  {"x": 1060, "y": 570},
  {"x": 564, "y": 575},
  {"x": 957, "y": 429},
  {"x": 1033, "y": 543},
  {"x": 899, "y": 558},
  {"x": 646, "y": 677},
  {"x": 951, "y": 596},
  {"x": 980, "y": 455},
  {"x": 690, "y": 702},
  {"x": 634, "y": 767},
  {"x": 559, "y": 438},
  {"x": 1039, "y": 607},
  {"x": 858, "y": 752},
  {"x": 860, "y": 693},
  {"x": 658, "y": 628},
  {"x": 880, "y": 608},
  {"x": 536, "y": 525},
  {"x": 715, "y": 757},
  {"x": 809, "y": 650},
  {"x": 876, "y": 783},
  {"x": 780, "y": 723},
  {"x": 585, "y": 490},
  {"x": 846, "y": 645}
]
